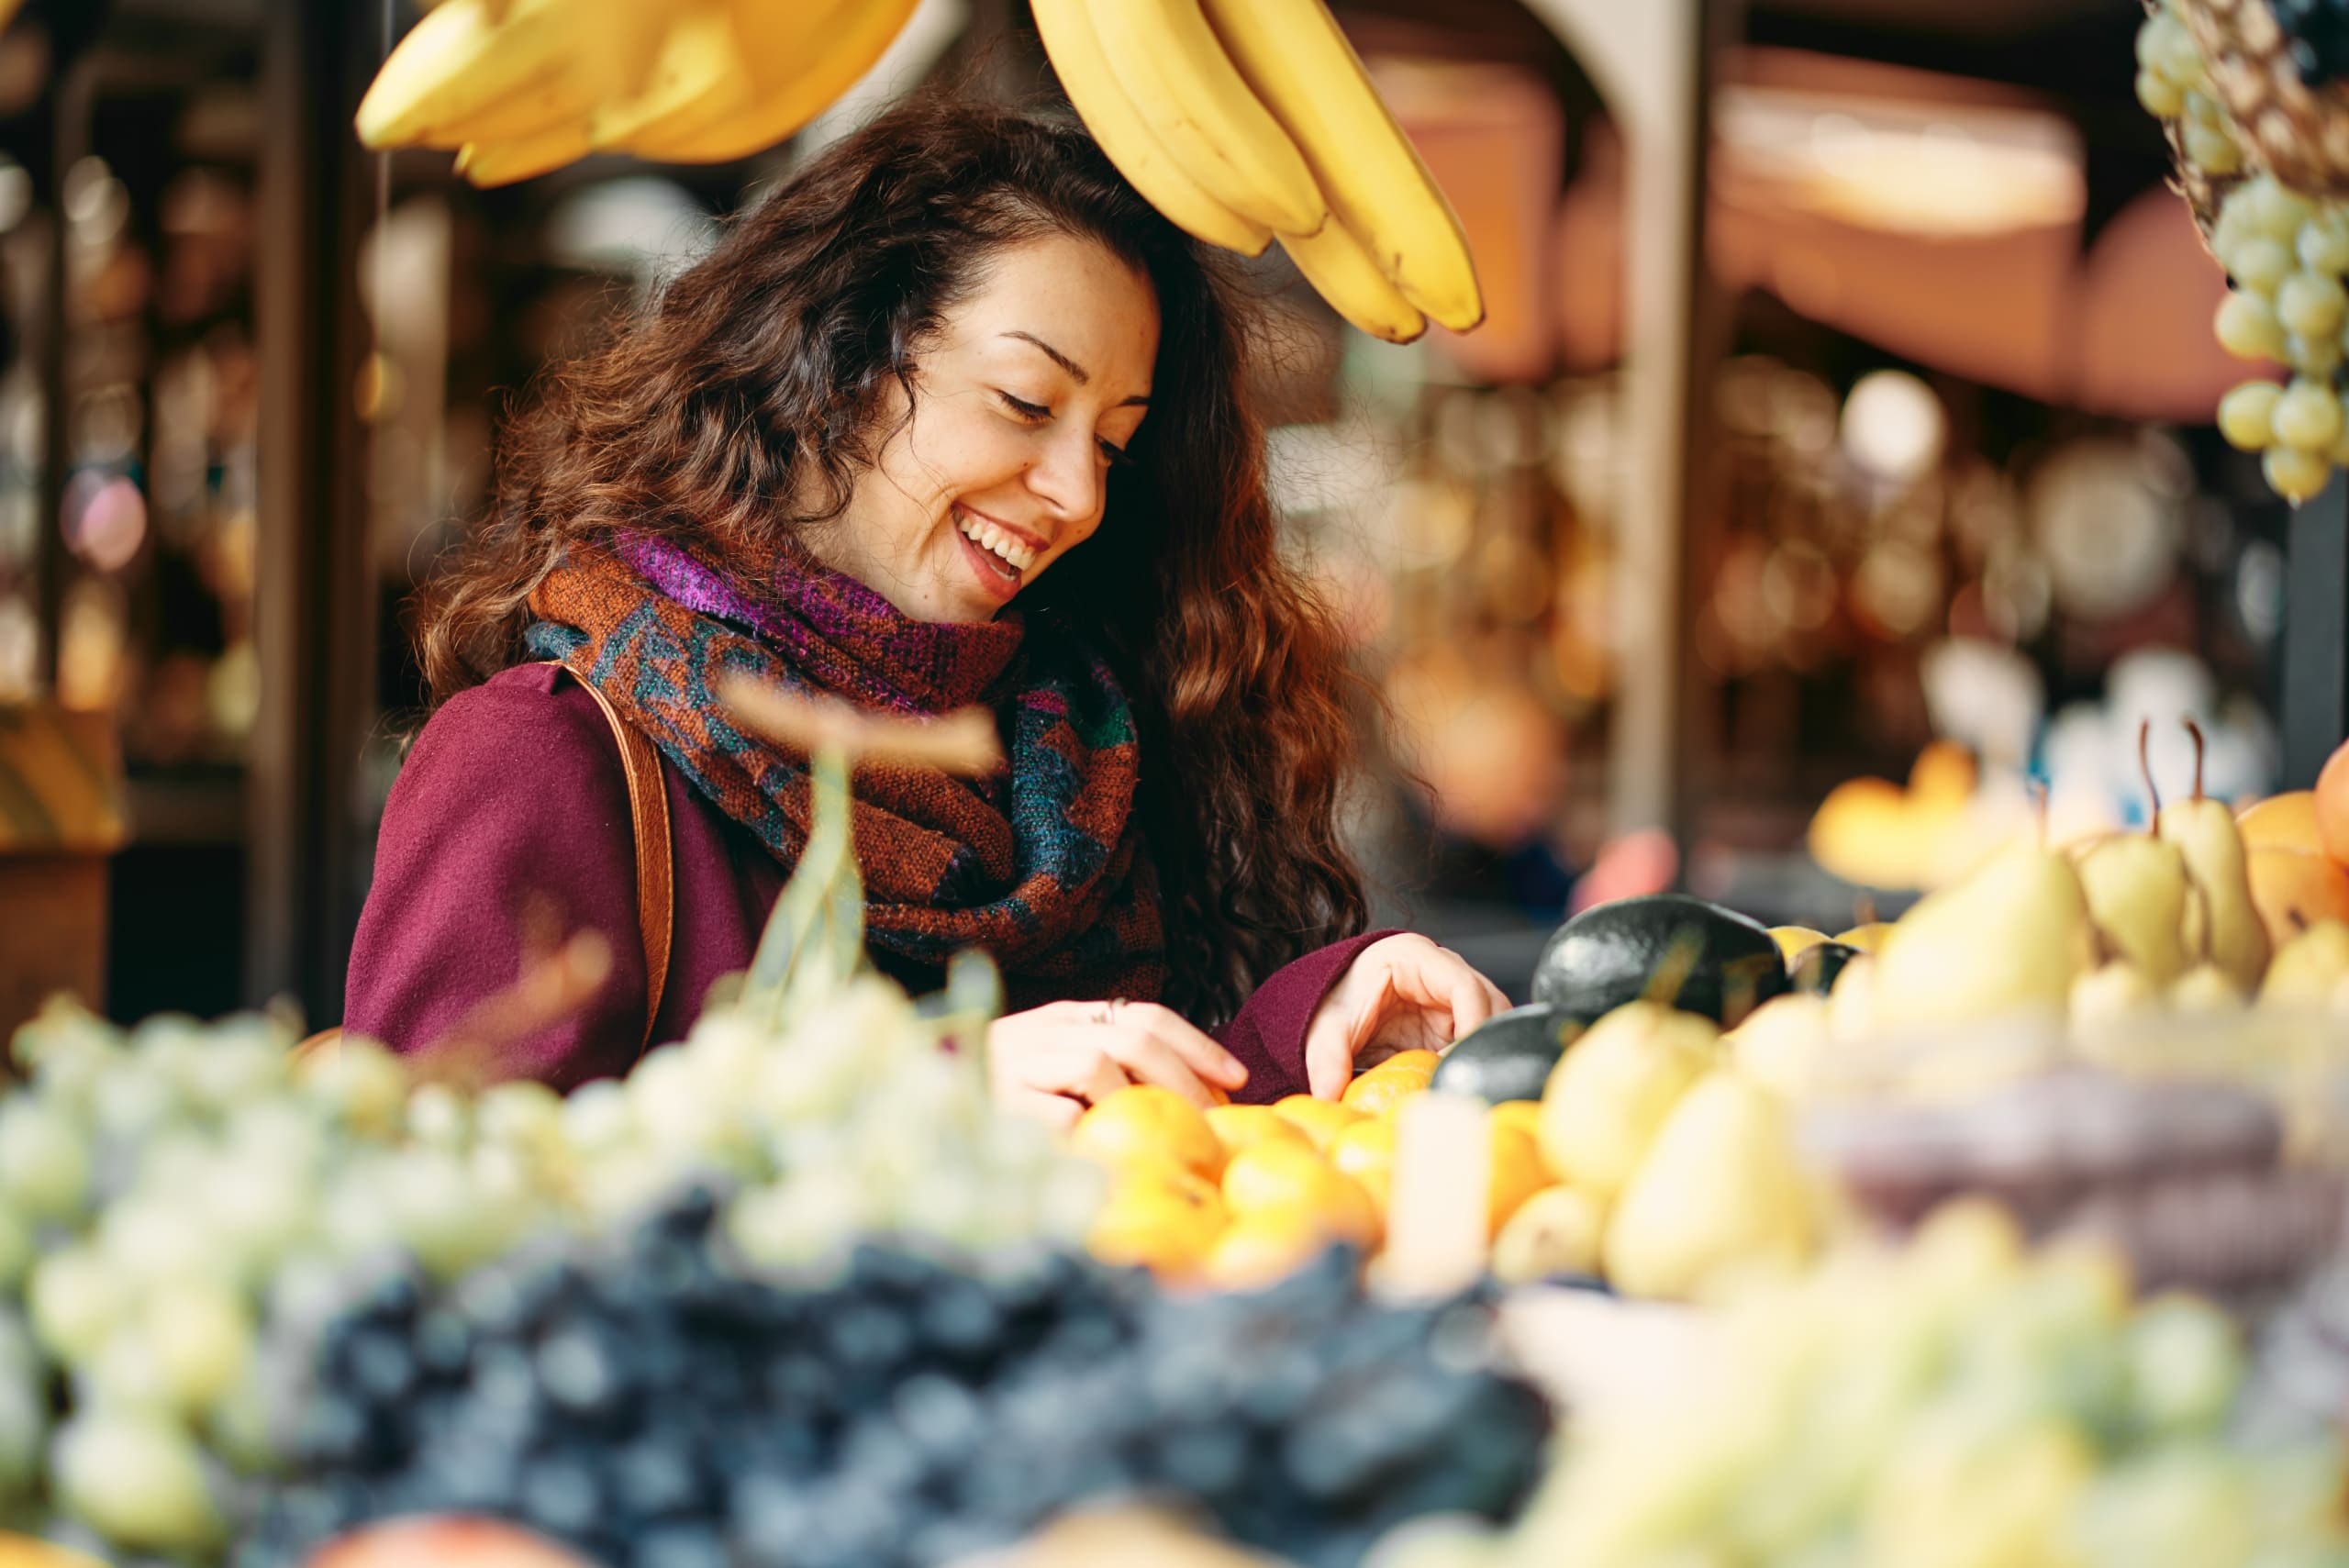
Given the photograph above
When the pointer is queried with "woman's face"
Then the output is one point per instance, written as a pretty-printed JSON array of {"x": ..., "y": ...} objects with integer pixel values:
[{"x": 1032, "y": 389}]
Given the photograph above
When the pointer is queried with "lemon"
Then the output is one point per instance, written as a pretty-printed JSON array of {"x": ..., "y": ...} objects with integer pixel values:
[{"x": 1146, "y": 1122}]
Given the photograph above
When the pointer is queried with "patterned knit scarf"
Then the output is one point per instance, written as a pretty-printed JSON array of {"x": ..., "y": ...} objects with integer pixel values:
[{"x": 1045, "y": 868}]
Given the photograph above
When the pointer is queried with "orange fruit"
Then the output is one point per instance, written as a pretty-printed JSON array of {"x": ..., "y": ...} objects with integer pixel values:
[
  {"x": 1518, "y": 1174},
  {"x": 2332, "y": 804},
  {"x": 1523, "y": 1115},
  {"x": 1283, "y": 1175},
  {"x": 1363, "y": 1147},
  {"x": 1238, "y": 1127},
  {"x": 2293, "y": 890},
  {"x": 1320, "y": 1121},
  {"x": 1268, "y": 1245},
  {"x": 1393, "y": 1081},
  {"x": 1160, "y": 1215},
  {"x": 1147, "y": 1121},
  {"x": 2285, "y": 821}
]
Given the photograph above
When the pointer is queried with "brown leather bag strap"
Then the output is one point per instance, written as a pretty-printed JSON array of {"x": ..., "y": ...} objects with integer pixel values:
[{"x": 648, "y": 810}]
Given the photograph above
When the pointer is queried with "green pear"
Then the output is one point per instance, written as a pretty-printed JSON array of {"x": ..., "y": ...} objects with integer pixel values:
[
  {"x": 1722, "y": 1189},
  {"x": 2308, "y": 971},
  {"x": 2009, "y": 939},
  {"x": 1555, "y": 1232},
  {"x": 1783, "y": 1042},
  {"x": 1613, "y": 1089},
  {"x": 1851, "y": 1004},
  {"x": 2138, "y": 889},
  {"x": 2204, "y": 831}
]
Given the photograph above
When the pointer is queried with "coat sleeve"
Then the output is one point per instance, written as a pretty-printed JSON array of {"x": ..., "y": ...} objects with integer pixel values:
[
  {"x": 512, "y": 802},
  {"x": 1268, "y": 1035}
]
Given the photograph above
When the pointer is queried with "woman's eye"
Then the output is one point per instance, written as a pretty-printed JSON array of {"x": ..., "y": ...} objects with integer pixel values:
[
  {"x": 1024, "y": 408},
  {"x": 1119, "y": 456}
]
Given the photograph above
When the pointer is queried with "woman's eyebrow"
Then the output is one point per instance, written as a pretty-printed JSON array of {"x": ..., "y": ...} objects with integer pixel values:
[{"x": 1076, "y": 372}]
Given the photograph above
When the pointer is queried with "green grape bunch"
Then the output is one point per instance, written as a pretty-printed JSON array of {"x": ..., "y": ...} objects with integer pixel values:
[
  {"x": 2173, "y": 84},
  {"x": 2285, "y": 254}
]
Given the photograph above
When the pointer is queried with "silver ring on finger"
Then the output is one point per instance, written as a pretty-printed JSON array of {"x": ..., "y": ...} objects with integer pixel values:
[{"x": 1107, "y": 1013}]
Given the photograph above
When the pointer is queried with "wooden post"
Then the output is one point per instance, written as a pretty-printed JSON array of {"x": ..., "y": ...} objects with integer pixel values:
[
  {"x": 2316, "y": 633},
  {"x": 1653, "y": 63},
  {"x": 313, "y": 598}
]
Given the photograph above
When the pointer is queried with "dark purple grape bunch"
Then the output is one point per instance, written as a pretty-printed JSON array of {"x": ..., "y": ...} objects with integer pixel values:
[{"x": 646, "y": 1404}]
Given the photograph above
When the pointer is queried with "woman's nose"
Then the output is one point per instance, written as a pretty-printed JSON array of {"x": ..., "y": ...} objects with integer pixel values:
[{"x": 1067, "y": 476}]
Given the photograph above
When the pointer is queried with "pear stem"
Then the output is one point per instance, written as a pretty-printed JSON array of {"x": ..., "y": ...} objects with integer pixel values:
[
  {"x": 2196, "y": 730},
  {"x": 2146, "y": 766}
]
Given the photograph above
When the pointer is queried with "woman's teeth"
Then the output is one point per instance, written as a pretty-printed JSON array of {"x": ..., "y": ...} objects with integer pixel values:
[{"x": 988, "y": 537}]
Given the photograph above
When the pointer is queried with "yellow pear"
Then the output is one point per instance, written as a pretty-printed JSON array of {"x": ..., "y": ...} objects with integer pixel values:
[
  {"x": 1781, "y": 1042},
  {"x": 1850, "y": 1005},
  {"x": 2206, "y": 988},
  {"x": 1555, "y": 1232},
  {"x": 2137, "y": 887},
  {"x": 2010, "y": 939},
  {"x": 1721, "y": 1191},
  {"x": 2308, "y": 970},
  {"x": 2114, "y": 991},
  {"x": 1868, "y": 938},
  {"x": 1795, "y": 940},
  {"x": 2205, "y": 832},
  {"x": 1613, "y": 1089}
]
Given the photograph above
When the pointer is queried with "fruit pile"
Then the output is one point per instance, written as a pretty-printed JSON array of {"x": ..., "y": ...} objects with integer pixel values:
[
  {"x": 1958, "y": 1403},
  {"x": 648, "y": 1403},
  {"x": 173, "y": 1198},
  {"x": 1236, "y": 1197},
  {"x": 1620, "y": 1138}
]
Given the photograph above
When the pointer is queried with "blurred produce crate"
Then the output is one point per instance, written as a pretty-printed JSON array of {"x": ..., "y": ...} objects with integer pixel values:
[{"x": 60, "y": 816}]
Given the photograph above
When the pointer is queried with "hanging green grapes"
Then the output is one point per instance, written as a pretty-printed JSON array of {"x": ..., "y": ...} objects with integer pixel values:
[{"x": 2286, "y": 253}]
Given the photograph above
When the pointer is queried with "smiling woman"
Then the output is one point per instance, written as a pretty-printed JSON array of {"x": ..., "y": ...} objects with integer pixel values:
[{"x": 954, "y": 417}]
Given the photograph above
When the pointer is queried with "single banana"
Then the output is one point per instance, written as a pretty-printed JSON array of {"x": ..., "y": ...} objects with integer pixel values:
[
  {"x": 698, "y": 79},
  {"x": 864, "y": 35},
  {"x": 1294, "y": 58},
  {"x": 488, "y": 163},
  {"x": 1166, "y": 58},
  {"x": 556, "y": 97},
  {"x": 1127, "y": 138},
  {"x": 1341, "y": 269},
  {"x": 461, "y": 60}
]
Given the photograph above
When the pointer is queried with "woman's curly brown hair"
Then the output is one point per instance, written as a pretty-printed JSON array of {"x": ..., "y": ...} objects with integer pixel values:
[{"x": 744, "y": 401}]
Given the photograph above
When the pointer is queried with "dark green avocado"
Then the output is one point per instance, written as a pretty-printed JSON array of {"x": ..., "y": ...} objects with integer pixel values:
[
  {"x": 1510, "y": 1058},
  {"x": 1816, "y": 967},
  {"x": 1665, "y": 947}
]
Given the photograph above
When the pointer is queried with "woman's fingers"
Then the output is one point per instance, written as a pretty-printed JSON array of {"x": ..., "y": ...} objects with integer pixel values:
[
  {"x": 1194, "y": 1045},
  {"x": 1150, "y": 1058}
]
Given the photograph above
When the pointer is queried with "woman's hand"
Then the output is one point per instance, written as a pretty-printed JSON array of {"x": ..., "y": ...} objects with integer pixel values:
[
  {"x": 1401, "y": 993},
  {"x": 1052, "y": 1062}
]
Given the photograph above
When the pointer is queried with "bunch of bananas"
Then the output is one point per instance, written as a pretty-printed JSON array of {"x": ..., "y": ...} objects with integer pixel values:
[
  {"x": 1245, "y": 119},
  {"x": 521, "y": 87}
]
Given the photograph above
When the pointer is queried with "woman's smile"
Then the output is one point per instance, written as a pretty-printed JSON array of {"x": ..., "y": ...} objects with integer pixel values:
[{"x": 999, "y": 556}]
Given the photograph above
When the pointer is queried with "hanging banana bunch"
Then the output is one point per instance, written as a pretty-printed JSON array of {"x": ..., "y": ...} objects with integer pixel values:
[
  {"x": 522, "y": 87},
  {"x": 1243, "y": 120}
]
